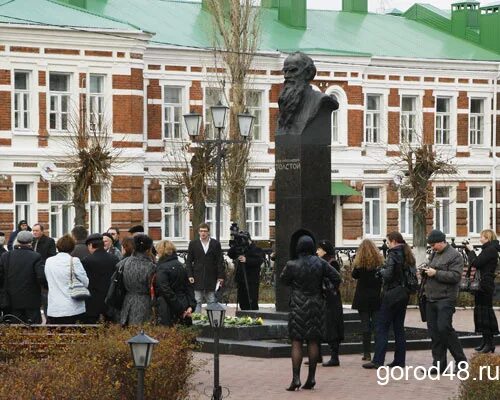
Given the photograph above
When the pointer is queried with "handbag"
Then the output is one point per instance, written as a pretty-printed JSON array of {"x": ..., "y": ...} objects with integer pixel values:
[
  {"x": 396, "y": 296},
  {"x": 471, "y": 285},
  {"x": 77, "y": 291},
  {"x": 422, "y": 300},
  {"x": 116, "y": 292}
]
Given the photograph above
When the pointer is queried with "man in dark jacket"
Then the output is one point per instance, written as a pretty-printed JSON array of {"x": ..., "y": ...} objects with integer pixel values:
[
  {"x": 441, "y": 288},
  {"x": 204, "y": 266},
  {"x": 42, "y": 244},
  {"x": 247, "y": 273},
  {"x": 80, "y": 233},
  {"x": 2, "y": 243},
  {"x": 22, "y": 268},
  {"x": 99, "y": 266},
  {"x": 21, "y": 226}
]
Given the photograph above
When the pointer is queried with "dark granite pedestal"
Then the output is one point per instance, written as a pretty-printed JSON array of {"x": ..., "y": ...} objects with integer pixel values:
[{"x": 303, "y": 181}]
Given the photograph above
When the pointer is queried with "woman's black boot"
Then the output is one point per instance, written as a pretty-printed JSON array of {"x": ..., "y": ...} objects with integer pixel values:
[{"x": 489, "y": 347}]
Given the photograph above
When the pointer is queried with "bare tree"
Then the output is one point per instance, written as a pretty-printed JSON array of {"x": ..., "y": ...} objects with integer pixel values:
[
  {"x": 236, "y": 33},
  {"x": 420, "y": 163},
  {"x": 89, "y": 155}
]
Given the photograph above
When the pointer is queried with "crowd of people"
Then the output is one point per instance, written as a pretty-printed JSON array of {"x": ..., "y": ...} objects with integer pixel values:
[
  {"x": 381, "y": 297},
  {"x": 38, "y": 276}
]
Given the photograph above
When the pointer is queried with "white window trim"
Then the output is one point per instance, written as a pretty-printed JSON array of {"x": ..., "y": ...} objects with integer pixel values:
[
  {"x": 419, "y": 115},
  {"x": 487, "y": 98},
  {"x": 105, "y": 202},
  {"x": 383, "y": 211},
  {"x": 342, "y": 119},
  {"x": 72, "y": 93},
  {"x": 384, "y": 108},
  {"x": 185, "y": 216},
  {"x": 451, "y": 206},
  {"x": 31, "y": 104},
  {"x": 108, "y": 100},
  {"x": 453, "y": 118},
  {"x": 215, "y": 85},
  {"x": 486, "y": 202},
  {"x": 409, "y": 211},
  {"x": 263, "y": 206},
  {"x": 264, "y": 111},
  {"x": 33, "y": 181},
  {"x": 60, "y": 203}
]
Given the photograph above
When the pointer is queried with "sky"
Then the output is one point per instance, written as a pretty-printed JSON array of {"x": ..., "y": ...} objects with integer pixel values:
[{"x": 373, "y": 5}]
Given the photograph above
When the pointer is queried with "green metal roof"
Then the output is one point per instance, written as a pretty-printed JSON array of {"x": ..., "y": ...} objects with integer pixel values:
[
  {"x": 342, "y": 189},
  {"x": 329, "y": 32},
  {"x": 49, "y": 12},
  {"x": 182, "y": 23}
]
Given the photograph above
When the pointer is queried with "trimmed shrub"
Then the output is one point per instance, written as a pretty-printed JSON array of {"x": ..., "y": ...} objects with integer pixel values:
[
  {"x": 480, "y": 386},
  {"x": 92, "y": 366}
]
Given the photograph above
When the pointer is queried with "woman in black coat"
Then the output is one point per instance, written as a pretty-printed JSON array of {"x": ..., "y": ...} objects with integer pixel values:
[
  {"x": 305, "y": 273},
  {"x": 175, "y": 294},
  {"x": 485, "y": 320},
  {"x": 334, "y": 313},
  {"x": 393, "y": 308},
  {"x": 367, "y": 295}
]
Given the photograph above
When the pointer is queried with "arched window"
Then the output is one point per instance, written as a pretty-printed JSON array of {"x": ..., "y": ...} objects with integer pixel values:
[
  {"x": 339, "y": 117},
  {"x": 335, "y": 122}
]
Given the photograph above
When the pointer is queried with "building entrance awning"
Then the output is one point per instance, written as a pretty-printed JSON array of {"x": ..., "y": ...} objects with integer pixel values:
[{"x": 341, "y": 189}]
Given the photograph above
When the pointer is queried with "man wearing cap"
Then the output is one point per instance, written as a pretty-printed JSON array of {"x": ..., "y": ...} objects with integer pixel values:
[
  {"x": 21, "y": 226},
  {"x": 22, "y": 273},
  {"x": 99, "y": 266},
  {"x": 443, "y": 273}
]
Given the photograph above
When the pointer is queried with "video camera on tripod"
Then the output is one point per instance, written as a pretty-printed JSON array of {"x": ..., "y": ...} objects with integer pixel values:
[{"x": 239, "y": 242}]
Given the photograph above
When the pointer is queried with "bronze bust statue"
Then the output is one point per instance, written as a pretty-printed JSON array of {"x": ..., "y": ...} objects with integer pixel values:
[{"x": 298, "y": 102}]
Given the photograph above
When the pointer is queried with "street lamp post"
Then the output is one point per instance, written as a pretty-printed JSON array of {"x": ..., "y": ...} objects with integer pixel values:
[
  {"x": 141, "y": 347},
  {"x": 216, "y": 313},
  {"x": 219, "y": 118}
]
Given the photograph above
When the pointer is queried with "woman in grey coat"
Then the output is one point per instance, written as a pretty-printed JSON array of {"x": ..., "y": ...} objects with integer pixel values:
[{"x": 137, "y": 272}]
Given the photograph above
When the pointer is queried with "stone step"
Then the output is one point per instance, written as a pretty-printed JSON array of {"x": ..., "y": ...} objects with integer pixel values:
[
  {"x": 270, "y": 349},
  {"x": 272, "y": 314}
]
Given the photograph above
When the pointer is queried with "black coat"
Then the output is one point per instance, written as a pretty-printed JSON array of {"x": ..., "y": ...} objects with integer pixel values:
[
  {"x": 254, "y": 258},
  {"x": 305, "y": 275},
  {"x": 367, "y": 294},
  {"x": 391, "y": 271},
  {"x": 486, "y": 263},
  {"x": 334, "y": 312},
  {"x": 45, "y": 246},
  {"x": 99, "y": 268},
  {"x": 205, "y": 268},
  {"x": 174, "y": 292},
  {"x": 24, "y": 271}
]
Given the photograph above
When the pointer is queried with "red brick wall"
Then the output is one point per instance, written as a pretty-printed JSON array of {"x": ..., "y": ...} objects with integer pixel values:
[
  {"x": 128, "y": 114},
  {"x": 352, "y": 224},
  {"x": 355, "y": 127},
  {"x": 5, "y": 110}
]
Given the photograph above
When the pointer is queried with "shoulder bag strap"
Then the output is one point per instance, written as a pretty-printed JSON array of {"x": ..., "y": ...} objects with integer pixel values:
[{"x": 71, "y": 271}]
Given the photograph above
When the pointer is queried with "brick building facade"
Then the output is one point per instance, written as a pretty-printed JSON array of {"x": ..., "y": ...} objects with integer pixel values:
[{"x": 48, "y": 73}]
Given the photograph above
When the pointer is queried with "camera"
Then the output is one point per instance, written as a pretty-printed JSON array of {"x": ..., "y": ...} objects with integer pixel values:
[
  {"x": 239, "y": 242},
  {"x": 465, "y": 242}
]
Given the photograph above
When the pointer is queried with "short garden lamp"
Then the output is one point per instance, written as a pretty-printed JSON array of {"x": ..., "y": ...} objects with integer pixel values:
[
  {"x": 245, "y": 122},
  {"x": 193, "y": 123},
  {"x": 216, "y": 313},
  {"x": 142, "y": 350}
]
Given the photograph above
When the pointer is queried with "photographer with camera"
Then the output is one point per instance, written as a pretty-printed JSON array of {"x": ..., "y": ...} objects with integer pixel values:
[
  {"x": 443, "y": 277},
  {"x": 248, "y": 260}
]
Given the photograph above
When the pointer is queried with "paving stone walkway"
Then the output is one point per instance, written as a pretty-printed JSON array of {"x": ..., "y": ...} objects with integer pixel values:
[{"x": 259, "y": 378}]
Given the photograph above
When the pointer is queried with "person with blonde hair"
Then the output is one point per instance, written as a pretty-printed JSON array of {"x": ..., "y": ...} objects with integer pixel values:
[
  {"x": 367, "y": 295},
  {"x": 175, "y": 294},
  {"x": 485, "y": 320}
]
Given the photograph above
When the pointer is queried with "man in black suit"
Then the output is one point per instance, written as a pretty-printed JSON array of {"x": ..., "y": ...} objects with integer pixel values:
[
  {"x": 99, "y": 266},
  {"x": 204, "y": 266},
  {"x": 22, "y": 274},
  {"x": 42, "y": 244}
]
